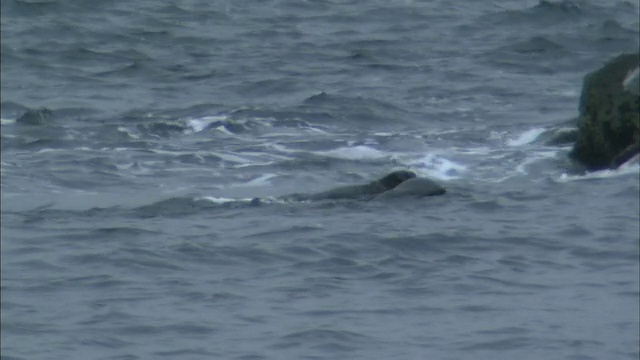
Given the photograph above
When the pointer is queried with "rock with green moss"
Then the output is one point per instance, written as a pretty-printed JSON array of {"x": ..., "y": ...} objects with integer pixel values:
[{"x": 608, "y": 124}]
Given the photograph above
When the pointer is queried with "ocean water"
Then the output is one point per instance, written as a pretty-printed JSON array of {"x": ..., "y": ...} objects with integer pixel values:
[{"x": 128, "y": 230}]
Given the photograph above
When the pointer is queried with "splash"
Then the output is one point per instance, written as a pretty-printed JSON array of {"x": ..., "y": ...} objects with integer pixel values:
[
  {"x": 197, "y": 125},
  {"x": 526, "y": 137},
  {"x": 630, "y": 167},
  {"x": 438, "y": 167},
  {"x": 241, "y": 201},
  {"x": 221, "y": 200}
]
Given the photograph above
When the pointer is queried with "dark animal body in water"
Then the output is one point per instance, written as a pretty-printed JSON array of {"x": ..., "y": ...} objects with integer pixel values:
[
  {"x": 379, "y": 186},
  {"x": 416, "y": 187},
  {"x": 401, "y": 183},
  {"x": 395, "y": 184}
]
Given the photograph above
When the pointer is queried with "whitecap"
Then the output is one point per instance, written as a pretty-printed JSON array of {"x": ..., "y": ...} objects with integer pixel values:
[
  {"x": 239, "y": 166},
  {"x": 315, "y": 129},
  {"x": 224, "y": 130},
  {"x": 259, "y": 181},
  {"x": 7, "y": 121},
  {"x": 129, "y": 132},
  {"x": 482, "y": 150},
  {"x": 219, "y": 200},
  {"x": 630, "y": 167},
  {"x": 200, "y": 124},
  {"x": 48, "y": 150},
  {"x": 224, "y": 200},
  {"x": 534, "y": 158},
  {"x": 439, "y": 167},
  {"x": 526, "y": 137},
  {"x": 359, "y": 152}
]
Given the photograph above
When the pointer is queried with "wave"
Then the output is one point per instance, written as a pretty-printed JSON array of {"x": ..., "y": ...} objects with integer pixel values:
[{"x": 631, "y": 167}]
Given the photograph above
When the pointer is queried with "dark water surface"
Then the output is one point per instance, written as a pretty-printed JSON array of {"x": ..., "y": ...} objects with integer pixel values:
[{"x": 127, "y": 226}]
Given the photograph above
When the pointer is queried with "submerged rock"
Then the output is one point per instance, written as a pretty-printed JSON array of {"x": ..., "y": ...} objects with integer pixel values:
[{"x": 608, "y": 124}]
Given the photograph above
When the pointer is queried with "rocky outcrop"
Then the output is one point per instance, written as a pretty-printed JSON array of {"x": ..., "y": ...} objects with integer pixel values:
[{"x": 608, "y": 124}]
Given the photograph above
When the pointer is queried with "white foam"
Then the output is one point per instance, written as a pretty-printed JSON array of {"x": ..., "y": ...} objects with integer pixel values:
[
  {"x": 483, "y": 150},
  {"x": 535, "y": 157},
  {"x": 129, "y": 132},
  {"x": 7, "y": 121},
  {"x": 220, "y": 200},
  {"x": 200, "y": 124},
  {"x": 360, "y": 152},
  {"x": 49, "y": 150},
  {"x": 315, "y": 129},
  {"x": 224, "y": 130},
  {"x": 259, "y": 181},
  {"x": 239, "y": 166},
  {"x": 526, "y": 137},
  {"x": 438, "y": 167},
  {"x": 630, "y": 167},
  {"x": 223, "y": 200}
]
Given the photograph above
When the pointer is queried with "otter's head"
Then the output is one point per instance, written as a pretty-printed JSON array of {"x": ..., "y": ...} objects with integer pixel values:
[{"x": 396, "y": 178}]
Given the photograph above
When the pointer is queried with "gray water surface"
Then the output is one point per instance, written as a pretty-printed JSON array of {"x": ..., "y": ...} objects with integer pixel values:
[{"x": 127, "y": 226}]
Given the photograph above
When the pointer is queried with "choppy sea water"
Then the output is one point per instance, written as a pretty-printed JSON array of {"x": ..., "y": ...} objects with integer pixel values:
[{"x": 127, "y": 226}]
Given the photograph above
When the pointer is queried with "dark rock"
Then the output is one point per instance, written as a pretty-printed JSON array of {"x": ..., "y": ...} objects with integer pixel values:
[
  {"x": 609, "y": 120},
  {"x": 35, "y": 117}
]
